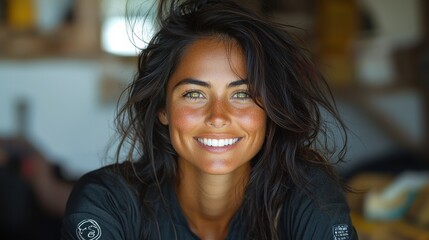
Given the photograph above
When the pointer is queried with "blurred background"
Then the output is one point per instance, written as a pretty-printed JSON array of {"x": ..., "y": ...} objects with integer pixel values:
[{"x": 64, "y": 63}]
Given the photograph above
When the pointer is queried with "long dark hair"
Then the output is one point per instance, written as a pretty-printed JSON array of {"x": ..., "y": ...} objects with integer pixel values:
[{"x": 282, "y": 79}]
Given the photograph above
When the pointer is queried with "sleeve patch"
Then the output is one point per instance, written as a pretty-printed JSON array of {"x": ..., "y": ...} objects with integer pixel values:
[
  {"x": 341, "y": 232},
  {"x": 88, "y": 229}
]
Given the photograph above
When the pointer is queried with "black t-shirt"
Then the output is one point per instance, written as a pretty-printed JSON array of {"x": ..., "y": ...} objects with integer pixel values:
[{"x": 104, "y": 206}]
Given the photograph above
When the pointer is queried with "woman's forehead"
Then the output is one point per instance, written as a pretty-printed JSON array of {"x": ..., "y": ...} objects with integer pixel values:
[{"x": 211, "y": 59}]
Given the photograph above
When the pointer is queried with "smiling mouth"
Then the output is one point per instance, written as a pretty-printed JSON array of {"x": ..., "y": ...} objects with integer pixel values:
[{"x": 218, "y": 142}]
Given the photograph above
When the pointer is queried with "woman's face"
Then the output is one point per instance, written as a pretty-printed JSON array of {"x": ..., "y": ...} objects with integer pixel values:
[{"x": 215, "y": 127}]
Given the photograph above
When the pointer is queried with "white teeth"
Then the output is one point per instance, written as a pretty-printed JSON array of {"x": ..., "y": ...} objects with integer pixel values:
[{"x": 217, "y": 142}]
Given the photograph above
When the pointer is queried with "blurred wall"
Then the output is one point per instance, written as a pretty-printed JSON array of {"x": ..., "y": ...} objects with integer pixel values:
[{"x": 66, "y": 118}]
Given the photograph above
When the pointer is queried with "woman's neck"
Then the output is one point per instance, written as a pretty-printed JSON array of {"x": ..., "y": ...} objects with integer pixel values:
[{"x": 209, "y": 202}]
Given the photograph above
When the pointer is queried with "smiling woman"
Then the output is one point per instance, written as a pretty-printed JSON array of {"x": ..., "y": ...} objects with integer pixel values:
[
  {"x": 213, "y": 123},
  {"x": 222, "y": 121}
]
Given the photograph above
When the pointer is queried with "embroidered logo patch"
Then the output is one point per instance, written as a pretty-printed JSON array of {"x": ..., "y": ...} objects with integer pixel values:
[
  {"x": 341, "y": 232},
  {"x": 88, "y": 229}
]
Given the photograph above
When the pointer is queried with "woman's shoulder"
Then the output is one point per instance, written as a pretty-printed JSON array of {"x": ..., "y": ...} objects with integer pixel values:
[
  {"x": 112, "y": 173},
  {"x": 321, "y": 188},
  {"x": 108, "y": 180},
  {"x": 320, "y": 209},
  {"x": 103, "y": 200}
]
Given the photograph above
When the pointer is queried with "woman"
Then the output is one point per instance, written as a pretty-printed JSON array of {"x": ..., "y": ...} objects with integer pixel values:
[{"x": 219, "y": 128}]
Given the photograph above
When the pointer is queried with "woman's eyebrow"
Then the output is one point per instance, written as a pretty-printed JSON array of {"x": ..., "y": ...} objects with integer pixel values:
[
  {"x": 206, "y": 84},
  {"x": 238, "y": 83},
  {"x": 192, "y": 81}
]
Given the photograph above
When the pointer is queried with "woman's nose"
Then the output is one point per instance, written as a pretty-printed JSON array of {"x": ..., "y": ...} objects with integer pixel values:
[{"x": 218, "y": 114}]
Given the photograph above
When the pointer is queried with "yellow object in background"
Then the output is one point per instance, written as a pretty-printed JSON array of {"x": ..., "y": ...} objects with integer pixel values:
[
  {"x": 337, "y": 26},
  {"x": 21, "y": 14}
]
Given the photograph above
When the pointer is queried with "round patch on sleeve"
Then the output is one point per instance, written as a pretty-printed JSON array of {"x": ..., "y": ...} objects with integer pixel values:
[
  {"x": 341, "y": 232},
  {"x": 88, "y": 229}
]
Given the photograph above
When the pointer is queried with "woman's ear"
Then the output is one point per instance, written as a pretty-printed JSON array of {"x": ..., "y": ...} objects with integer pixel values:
[{"x": 162, "y": 116}]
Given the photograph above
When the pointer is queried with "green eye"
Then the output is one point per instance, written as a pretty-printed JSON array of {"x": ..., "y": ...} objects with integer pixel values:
[
  {"x": 193, "y": 95},
  {"x": 242, "y": 95}
]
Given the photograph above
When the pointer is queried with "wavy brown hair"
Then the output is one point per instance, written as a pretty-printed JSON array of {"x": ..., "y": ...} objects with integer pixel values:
[{"x": 282, "y": 79}]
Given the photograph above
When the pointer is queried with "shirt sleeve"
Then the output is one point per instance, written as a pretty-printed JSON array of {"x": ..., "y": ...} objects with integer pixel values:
[
  {"x": 101, "y": 206},
  {"x": 325, "y": 216}
]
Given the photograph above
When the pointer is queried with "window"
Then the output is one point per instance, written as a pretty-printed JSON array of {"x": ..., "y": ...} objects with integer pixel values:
[{"x": 127, "y": 26}]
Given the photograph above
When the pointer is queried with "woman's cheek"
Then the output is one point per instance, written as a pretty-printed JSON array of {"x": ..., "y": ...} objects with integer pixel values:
[
  {"x": 254, "y": 119},
  {"x": 184, "y": 117}
]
